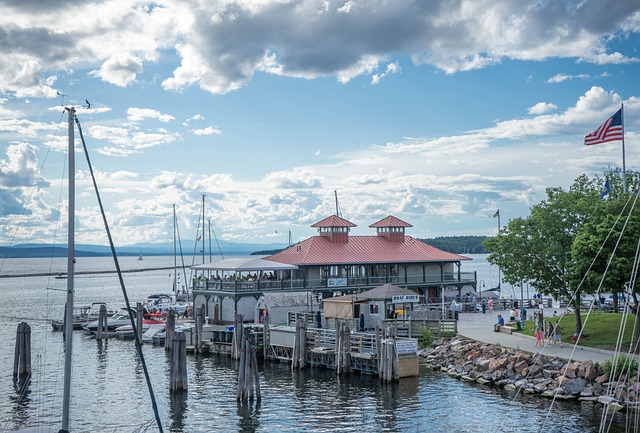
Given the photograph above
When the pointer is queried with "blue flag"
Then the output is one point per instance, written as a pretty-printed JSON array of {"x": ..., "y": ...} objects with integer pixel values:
[{"x": 606, "y": 190}]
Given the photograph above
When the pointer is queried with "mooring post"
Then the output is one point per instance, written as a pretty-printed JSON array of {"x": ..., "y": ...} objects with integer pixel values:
[
  {"x": 170, "y": 327},
  {"x": 178, "y": 367},
  {"x": 265, "y": 337},
  {"x": 102, "y": 323},
  {"x": 139, "y": 320},
  {"x": 199, "y": 323},
  {"x": 22, "y": 355}
]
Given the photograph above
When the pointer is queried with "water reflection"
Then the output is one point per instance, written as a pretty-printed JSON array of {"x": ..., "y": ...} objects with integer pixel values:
[
  {"x": 248, "y": 417},
  {"x": 178, "y": 408}
]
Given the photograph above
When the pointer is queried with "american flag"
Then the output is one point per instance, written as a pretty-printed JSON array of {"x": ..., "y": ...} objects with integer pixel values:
[{"x": 611, "y": 130}]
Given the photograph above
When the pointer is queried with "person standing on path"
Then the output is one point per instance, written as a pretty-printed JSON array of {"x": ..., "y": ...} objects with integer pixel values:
[
  {"x": 557, "y": 334},
  {"x": 550, "y": 333},
  {"x": 539, "y": 337}
]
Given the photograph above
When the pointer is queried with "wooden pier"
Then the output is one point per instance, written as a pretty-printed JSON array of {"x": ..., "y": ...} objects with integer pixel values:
[{"x": 362, "y": 352}]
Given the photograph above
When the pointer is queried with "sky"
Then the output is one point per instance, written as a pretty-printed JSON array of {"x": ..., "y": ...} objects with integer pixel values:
[{"x": 436, "y": 112}]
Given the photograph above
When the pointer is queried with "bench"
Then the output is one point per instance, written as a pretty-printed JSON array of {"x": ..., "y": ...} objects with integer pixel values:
[{"x": 504, "y": 328}]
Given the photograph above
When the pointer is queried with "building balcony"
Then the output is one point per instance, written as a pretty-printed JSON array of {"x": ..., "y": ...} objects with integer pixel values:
[{"x": 204, "y": 286}]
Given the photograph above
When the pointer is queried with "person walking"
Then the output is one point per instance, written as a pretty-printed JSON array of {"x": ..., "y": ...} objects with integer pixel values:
[
  {"x": 550, "y": 333},
  {"x": 557, "y": 334}
]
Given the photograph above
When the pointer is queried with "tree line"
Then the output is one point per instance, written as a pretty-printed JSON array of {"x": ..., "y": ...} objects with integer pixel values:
[{"x": 459, "y": 244}]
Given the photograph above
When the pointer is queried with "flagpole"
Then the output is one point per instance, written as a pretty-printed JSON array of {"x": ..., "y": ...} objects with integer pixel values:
[{"x": 624, "y": 170}]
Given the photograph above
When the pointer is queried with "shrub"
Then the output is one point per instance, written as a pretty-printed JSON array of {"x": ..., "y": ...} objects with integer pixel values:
[
  {"x": 625, "y": 366},
  {"x": 425, "y": 339}
]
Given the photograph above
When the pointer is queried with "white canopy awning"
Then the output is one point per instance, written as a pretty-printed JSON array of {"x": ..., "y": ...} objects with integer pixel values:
[{"x": 244, "y": 264}]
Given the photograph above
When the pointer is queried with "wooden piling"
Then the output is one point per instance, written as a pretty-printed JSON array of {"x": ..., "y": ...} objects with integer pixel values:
[
  {"x": 265, "y": 336},
  {"x": 170, "y": 326},
  {"x": 102, "y": 331},
  {"x": 199, "y": 321},
  {"x": 139, "y": 320},
  {"x": 22, "y": 355},
  {"x": 299, "y": 345},
  {"x": 178, "y": 367},
  {"x": 238, "y": 333},
  {"x": 343, "y": 348}
]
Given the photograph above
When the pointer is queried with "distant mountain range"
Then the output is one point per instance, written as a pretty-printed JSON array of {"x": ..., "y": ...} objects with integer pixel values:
[
  {"x": 453, "y": 244},
  {"x": 145, "y": 249}
]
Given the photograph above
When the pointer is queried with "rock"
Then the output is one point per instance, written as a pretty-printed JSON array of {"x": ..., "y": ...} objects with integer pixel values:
[
  {"x": 520, "y": 366},
  {"x": 575, "y": 386},
  {"x": 602, "y": 379}
]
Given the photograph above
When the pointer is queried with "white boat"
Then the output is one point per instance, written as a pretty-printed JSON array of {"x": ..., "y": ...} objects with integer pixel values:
[
  {"x": 82, "y": 315},
  {"x": 120, "y": 318},
  {"x": 162, "y": 303}
]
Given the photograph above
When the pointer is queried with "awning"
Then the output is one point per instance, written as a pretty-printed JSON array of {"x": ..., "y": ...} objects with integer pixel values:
[{"x": 244, "y": 264}]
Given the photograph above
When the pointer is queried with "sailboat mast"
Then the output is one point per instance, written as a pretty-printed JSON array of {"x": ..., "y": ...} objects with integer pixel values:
[
  {"x": 175, "y": 255},
  {"x": 203, "y": 230},
  {"x": 68, "y": 320}
]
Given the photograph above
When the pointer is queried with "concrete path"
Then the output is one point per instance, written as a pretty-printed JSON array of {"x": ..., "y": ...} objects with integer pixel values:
[{"x": 479, "y": 327}]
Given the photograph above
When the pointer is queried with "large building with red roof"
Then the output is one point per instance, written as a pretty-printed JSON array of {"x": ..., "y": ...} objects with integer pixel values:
[
  {"x": 332, "y": 263},
  {"x": 334, "y": 260}
]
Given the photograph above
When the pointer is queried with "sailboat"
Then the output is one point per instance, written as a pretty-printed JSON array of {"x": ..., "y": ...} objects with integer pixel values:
[{"x": 69, "y": 314}]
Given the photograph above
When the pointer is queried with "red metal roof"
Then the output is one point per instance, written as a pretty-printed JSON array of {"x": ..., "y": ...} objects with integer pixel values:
[
  {"x": 319, "y": 250},
  {"x": 334, "y": 221},
  {"x": 390, "y": 221}
]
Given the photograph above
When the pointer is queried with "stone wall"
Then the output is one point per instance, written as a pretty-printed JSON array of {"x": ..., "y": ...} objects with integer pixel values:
[{"x": 491, "y": 364}]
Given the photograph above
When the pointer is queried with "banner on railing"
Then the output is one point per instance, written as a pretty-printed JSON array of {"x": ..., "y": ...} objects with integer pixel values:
[
  {"x": 336, "y": 282},
  {"x": 401, "y": 299}
]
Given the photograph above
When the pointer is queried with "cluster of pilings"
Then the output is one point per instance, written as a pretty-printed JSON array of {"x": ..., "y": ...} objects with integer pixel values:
[
  {"x": 388, "y": 370},
  {"x": 299, "y": 357},
  {"x": 243, "y": 349}
]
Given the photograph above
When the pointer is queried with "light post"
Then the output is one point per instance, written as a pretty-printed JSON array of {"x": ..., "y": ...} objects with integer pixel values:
[
  {"x": 522, "y": 304},
  {"x": 481, "y": 284}
]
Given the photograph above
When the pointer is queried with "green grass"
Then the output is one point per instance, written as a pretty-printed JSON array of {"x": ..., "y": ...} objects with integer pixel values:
[{"x": 600, "y": 329}]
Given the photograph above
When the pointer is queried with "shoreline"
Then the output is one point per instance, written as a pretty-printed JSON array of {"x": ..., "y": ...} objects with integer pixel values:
[{"x": 532, "y": 373}]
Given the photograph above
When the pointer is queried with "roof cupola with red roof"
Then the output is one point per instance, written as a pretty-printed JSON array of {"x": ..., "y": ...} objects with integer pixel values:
[
  {"x": 334, "y": 228},
  {"x": 391, "y": 228}
]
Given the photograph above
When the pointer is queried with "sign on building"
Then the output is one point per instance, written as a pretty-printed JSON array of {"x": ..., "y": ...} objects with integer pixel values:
[{"x": 401, "y": 299}]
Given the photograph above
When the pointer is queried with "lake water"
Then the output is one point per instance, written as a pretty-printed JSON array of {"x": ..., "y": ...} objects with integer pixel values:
[{"x": 109, "y": 393}]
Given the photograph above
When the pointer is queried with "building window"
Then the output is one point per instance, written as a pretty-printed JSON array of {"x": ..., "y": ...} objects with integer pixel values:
[{"x": 374, "y": 309}]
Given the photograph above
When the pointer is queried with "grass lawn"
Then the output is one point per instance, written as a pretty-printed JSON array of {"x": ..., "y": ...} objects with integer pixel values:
[{"x": 600, "y": 329}]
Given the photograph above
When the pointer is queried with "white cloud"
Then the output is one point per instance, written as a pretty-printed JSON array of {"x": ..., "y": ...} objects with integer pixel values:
[
  {"x": 138, "y": 114},
  {"x": 542, "y": 108},
  {"x": 559, "y": 78},
  {"x": 209, "y": 130},
  {"x": 392, "y": 68}
]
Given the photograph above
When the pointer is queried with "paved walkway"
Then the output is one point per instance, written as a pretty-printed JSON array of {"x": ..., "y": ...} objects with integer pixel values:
[{"x": 479, "y": 327}]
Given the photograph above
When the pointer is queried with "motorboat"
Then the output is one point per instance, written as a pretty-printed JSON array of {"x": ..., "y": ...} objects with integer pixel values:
[
  {"x": 120, "y": 318},
  {"x": 82, "y": 315},
  {"x": 162, "y": 303}
]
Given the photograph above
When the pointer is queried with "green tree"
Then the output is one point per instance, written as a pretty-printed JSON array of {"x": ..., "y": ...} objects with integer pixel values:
[
  {"x": 538, "y": 248},
  {"x": 603, "y": 252}
]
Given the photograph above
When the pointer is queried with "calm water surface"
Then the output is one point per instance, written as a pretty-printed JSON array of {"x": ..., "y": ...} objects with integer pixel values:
[{"x": 110, "y": 395}]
